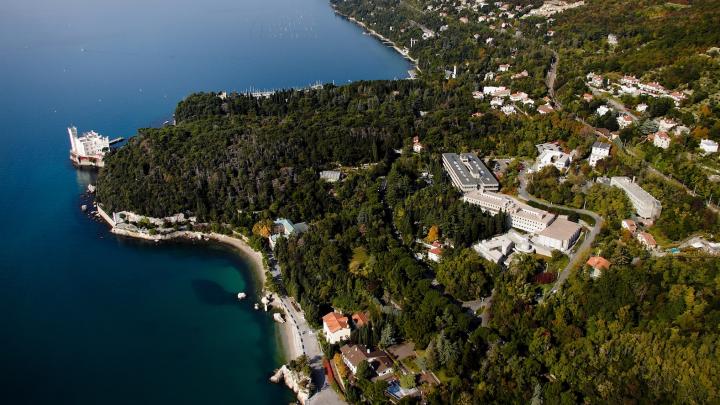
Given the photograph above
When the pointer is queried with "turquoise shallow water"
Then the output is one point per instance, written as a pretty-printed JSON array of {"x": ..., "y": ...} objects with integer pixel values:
[{"x": 86, "y": 317}]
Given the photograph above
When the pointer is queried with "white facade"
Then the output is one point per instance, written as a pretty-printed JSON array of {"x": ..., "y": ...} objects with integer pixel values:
[
  {"x": 508, "y": 109},
  {"x": 602, "y": 110},
  {"x": 645, "y": 204},
  {"x": 88, "y": 149},
  {"x": 709, "y": 146},
  {"x": 599, "y": 151},
  {"x": 661, "y": 140},
  {"x": 624, "y": 121},
  {"x": 558, "y": 159},
  {"x": 521, "y": 216}
]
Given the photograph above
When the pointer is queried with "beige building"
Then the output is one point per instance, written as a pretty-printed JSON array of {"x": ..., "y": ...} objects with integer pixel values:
[{"x": 561, "y": 235}]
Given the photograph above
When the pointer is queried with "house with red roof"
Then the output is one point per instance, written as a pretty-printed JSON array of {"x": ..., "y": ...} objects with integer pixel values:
[
  {"x": 336, "y": 327},
  {"x": 598, "y": 264}
]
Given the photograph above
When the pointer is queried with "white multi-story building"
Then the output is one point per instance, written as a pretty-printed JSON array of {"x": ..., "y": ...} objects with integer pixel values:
[
  {"x": 645, "y": 204},
  {"x": 88, "y": 149},
  {"x": 709, "y": 146},
  {"x": 600, "y": 151},
  {"x": 469, "y": 173},
  {"x": 555, "y": 158},
  {"x": 521, "y": 216}
]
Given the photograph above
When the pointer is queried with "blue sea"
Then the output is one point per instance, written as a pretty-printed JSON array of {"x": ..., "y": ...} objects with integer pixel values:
[{"x": 90, "y": 318}]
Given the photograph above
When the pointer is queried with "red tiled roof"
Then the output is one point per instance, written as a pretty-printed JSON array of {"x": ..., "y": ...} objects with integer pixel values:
[
  {"x": 335, "y": 321},
  {"x": 598, "y": 262},
  {"x": 360, "y": 319}
]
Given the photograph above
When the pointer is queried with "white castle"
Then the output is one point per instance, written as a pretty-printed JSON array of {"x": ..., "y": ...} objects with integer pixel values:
[{"x": 88, "y": 149}]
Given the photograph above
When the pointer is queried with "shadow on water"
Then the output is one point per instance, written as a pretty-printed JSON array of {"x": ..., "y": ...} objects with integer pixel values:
[{"x": 212, "y": 293}]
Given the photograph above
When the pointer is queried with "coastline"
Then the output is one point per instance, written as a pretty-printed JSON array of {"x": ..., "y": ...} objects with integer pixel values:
[
  {"x": 285, "y": 334},
  {"x": 382, "y": 38}
]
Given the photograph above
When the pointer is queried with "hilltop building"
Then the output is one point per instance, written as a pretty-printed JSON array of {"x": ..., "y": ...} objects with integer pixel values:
[
  {"x": 469, "y": 173},
  {"x": 521, "y": 216},
  {"x": 646, "y": 205},
  {"x": 88, "y": 149}
]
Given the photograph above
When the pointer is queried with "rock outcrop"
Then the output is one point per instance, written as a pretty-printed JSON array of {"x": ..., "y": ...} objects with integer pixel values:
[{"x": 297, "y": 383}]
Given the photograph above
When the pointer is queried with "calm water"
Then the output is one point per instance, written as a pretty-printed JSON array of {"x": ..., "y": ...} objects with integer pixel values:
[{"x": 86, "y": 317}]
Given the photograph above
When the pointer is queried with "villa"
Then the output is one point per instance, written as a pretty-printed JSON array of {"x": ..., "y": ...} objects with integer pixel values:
[{"x": 336, "y": 327}]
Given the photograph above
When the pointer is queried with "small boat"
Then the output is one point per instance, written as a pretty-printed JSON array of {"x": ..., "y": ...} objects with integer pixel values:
[
  {"x": 241, "y": 296},
  {"x": 83, "y": 208},
  {"x": 257, "y": 306}
]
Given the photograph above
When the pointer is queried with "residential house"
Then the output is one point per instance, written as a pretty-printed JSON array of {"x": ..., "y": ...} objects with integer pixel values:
[
  {"x": 503, "y": 68},
  {"x": 508, "y": 109},
  {"x": 545, "y": 109},
  {"x": 595, "y": 80},
  {"x": 519, "y": 96},
  {"x": 624, "y": 121},
  {"x": 600, "y": 150},
  {"x": 666, "y": 124},
  {"x": 646, "y": 240},
  {"x": 587, "y": 97},
  {"x": 336, "y": 327},
  {"x": 435, "y": 254},
  {"x": 378, "y": 360},
  {"x": 598, "y": 264},
  {"x": 417, "y": 146},
  {"x": 661, "y": 140},
  {"x": 602, "y": 110},
  {"x": 709, "y": 146},
  {"x": 360, "y": 319},
  {"x": 630, "y": 225},
  {"x": 642, "y": 107}
]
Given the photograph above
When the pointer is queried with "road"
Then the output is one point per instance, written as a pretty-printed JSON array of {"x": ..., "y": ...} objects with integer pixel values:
[
  {"x": 551, "y": 77},
  {"x": 577, "y": 255},
  {"x": 306, "y": 341}
]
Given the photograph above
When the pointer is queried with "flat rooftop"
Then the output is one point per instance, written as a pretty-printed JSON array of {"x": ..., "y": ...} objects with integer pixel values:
[
  {"x": 560, "y": 229},
  {"x": 470, "y": 170}
]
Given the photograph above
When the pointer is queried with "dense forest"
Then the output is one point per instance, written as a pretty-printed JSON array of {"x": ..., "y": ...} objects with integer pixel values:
[{"x": 645, "y": 331}]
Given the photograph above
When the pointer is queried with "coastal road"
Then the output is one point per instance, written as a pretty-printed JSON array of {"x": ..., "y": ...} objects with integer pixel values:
[
  {"x": 306, "y": 342},
  {"x": 577, "y": 255}
]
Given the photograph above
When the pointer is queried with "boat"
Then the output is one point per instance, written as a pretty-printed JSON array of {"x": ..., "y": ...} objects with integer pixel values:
[
  {"x": 83, "y": 208},
  {"x": 257, "y": 306},
  {"x": 241, "y": 296}
]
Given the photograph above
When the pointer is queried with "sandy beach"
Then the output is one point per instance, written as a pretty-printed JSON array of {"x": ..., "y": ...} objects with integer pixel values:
[{"x": 287, "y": 333}]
